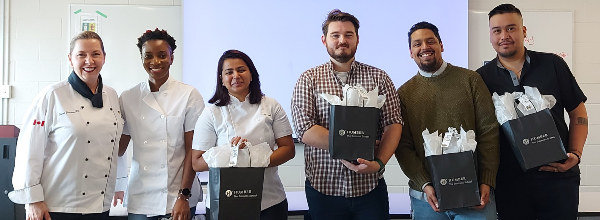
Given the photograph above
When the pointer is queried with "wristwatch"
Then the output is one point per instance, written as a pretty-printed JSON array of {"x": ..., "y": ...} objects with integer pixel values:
[{"x": 185, "y": 193}]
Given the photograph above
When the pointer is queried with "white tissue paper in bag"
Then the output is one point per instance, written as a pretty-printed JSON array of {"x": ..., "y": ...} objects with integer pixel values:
[
  {"x": 260, "y": 154},
  {"x": 530, "y": 101},
  {"x": 218, "y": 156},
  {"x": 356, "y": 96},
  {"x": 453, "y": 142},
  {"x": 432, "y": 143}
]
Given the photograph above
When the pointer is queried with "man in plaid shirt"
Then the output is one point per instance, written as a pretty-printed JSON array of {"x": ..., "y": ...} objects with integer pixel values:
[{"x": 338, "y": 189}]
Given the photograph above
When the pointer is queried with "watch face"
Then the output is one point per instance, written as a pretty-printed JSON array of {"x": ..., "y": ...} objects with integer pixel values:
[{"x": 185, "y": 192}]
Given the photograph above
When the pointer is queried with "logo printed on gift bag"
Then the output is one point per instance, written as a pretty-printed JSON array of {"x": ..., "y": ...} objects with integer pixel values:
[
  {"x": 246, "y": 193},
  {"x": 525, "y": 141},
  {"x": 228, "y": 193},
  {"x": 342, "y": 132},
  {"x": 455, "y": 181},
  {"x": 443, "y": 182}
]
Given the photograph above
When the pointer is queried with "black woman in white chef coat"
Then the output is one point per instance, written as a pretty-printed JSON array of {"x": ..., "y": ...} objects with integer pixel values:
[
  {"x": 240, "y": 112},
  {"x": 160, "y": 116},
  {"x": 65, "y": 167}
]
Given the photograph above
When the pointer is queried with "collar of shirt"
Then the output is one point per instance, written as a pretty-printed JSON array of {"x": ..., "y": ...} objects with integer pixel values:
[
  {"x": 436, "y": 73},
  {"x": 516, "y": 80},
  {"x": 353, "y": 67},
  {"x": 163, "y": 87},
  {"x": 236, "y": 101}
]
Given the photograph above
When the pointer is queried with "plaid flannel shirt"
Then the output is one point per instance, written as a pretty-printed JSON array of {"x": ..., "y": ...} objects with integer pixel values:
[{"x": 329, "y": 176}]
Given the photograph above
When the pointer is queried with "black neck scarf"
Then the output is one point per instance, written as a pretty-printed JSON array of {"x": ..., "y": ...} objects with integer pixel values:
[{"x": 85, "y": 91}]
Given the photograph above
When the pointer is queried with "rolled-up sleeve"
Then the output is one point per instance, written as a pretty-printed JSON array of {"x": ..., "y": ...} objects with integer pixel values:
[
  {"x": 29, "y": 160},
  {"x": 303, "y": 105},
  {"x": 205, "y": 136},
  {"x": 194, "y": 109}
]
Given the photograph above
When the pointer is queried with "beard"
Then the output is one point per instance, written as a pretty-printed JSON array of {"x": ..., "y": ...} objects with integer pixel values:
[
  {"x": 507, "y": 54},
  {"x": 429, "y": 67},
  {"x": 343, "y": 57}
]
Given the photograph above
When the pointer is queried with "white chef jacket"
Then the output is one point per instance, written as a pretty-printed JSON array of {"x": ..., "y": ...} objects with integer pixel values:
[
  {"x": 66, "y": 150},
  {"x": 264, "y": 122},
  {"x": 157, "y": 122}
]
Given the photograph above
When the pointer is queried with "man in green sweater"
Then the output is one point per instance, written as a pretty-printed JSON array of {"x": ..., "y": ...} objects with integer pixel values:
[{"x": 439, "y": 96}]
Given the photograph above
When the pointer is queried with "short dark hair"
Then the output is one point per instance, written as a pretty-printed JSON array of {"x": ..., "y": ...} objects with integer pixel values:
[
  {"x": 503, "y": 9},
  {"x": 424, "y": 25},
  {"x": 156, "y": 35},
  {"x": 337, "y": 15},
  {"x": 86, "y": 35},
  {"x": 221, "y": 96}
]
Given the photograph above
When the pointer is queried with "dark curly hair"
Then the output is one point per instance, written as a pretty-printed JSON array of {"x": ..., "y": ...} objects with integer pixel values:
[
  {"x": 424, "y": 25},
  {"x": 156, "y": 35}
]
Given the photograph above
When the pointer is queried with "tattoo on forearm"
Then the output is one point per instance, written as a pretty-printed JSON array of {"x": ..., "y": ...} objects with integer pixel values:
[{"x": 582, "y": 121}]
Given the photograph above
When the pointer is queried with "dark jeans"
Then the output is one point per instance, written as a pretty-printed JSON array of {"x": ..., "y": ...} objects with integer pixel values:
[
  {"x": 77, "y": 216},
  {"x": 145, "y": 217},
  {"x": 537, "y": 198},
  {"x": 371, "y": 206},
  {"x": 276, "y": 212}
]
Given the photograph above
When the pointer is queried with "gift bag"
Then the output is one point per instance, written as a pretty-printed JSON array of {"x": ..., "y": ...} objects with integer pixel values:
[
  {"x": 352, "y": 132},
  {"x": 534, "y": 139},
  {"x": 235, "y": 192},
  {"x": 454, "y": 179}
]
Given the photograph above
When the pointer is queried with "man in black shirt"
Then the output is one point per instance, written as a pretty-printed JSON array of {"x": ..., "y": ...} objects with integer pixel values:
[{"x": 550, "y": 191}]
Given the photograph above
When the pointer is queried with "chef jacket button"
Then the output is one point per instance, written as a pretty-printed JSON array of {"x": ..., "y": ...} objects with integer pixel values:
[
  {"x": 102, "y": 192},
  {"x": 81, "y": 107},
  {"x": 258, "y": 119},
  {"x": 86, "y": 159},
  {"x": 83, "y": 193},
  {"x": 143, "y": 117},
  {"x": 236, "y": 124},
  {"x": 105, "y": 175},
  {"x": 108, "y": 158},
  {"x": 145, "y": 167},
  {"x": 115, "y": 123},
  {"x": 162, "y": 166},
  {"x": 162, "y": 116},
  {"x": 162, "y": 141},
  {"x": 88, "y": 122},
  {"x": 89, "y": 141},
  {"x": 85, "y": 176},
  {"x": 145, "y": 142},
  {"x": 111, "y": 109},
  {"x": 113, "y": 140}
]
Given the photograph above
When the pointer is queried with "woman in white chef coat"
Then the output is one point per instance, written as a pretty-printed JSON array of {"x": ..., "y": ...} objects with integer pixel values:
[
  {"x": 65, "y": 167},
  {"x": 160, "y": 115},
  {"x": 239, "y": 105}
]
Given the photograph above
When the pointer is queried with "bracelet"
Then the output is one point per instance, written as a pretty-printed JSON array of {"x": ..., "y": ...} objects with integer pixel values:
[
  {"x": 578, "y": 157},
  {"x": 183, "y": 197},
  {"x": 381, "y": 165}
]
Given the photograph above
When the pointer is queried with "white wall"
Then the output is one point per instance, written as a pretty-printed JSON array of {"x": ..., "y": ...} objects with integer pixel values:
[{"x": 38, "y": 55}]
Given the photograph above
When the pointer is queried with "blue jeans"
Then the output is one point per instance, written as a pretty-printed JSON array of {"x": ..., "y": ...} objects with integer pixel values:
[
  {"x": 371, "y": 206},
  {"x": 421, "y": 210},
  {"x": 132, "y": 216}
]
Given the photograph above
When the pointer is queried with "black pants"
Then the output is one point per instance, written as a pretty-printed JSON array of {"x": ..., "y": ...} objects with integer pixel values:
[
  {"x": 276, "y": 212},
  {"x": 77, "y": 216},
  {"x": 371, "y": 206},
  {"x": 537, "y": 198}
]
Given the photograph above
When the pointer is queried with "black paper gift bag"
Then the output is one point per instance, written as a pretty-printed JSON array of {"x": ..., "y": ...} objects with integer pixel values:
[
  {"x": 535, "y": 139},
  {"x": 454, "y": 179},
  {"x": 352, "y": 132},
  {"x": 235, "y": 192}
]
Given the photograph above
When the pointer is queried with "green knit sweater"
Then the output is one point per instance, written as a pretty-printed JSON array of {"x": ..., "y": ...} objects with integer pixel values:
[{"x": 457, "y": 97}]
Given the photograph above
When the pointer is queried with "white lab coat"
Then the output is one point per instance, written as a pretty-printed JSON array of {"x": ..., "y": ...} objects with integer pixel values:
[
  {"x": 257, "y": 123},
  {"x": 66, "y": 151},
  {"x": 157, "y": 123}
]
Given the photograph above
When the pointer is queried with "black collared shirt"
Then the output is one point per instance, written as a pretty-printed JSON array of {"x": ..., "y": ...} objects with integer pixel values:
[{"x": 552, "y": 76}]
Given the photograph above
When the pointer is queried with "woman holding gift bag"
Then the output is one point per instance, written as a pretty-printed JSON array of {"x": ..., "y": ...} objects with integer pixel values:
[{"x": 241, "y": 113}]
